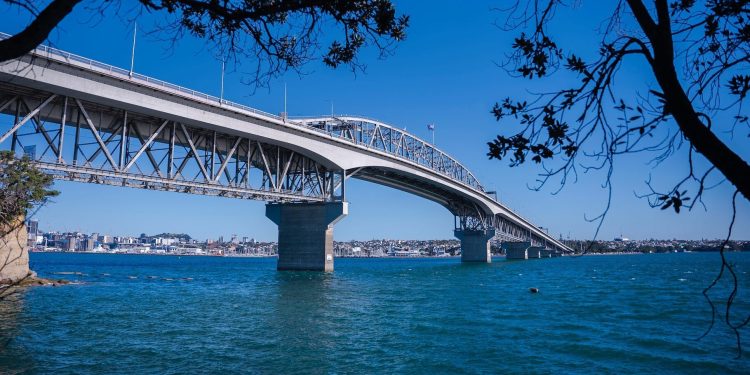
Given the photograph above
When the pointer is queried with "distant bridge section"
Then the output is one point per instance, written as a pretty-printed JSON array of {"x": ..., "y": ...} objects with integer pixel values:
[{"x": 83, "y": 120}]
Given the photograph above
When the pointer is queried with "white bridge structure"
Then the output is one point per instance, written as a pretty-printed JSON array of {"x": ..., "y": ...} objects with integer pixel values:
[{"x": 82, "y": 120}]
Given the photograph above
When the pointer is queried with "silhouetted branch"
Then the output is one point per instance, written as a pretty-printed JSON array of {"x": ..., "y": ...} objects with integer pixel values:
[
  {"x": 36, "y": 32},
  {"x": 276, "y": 35},
  {"x": 587, "y": 125}
]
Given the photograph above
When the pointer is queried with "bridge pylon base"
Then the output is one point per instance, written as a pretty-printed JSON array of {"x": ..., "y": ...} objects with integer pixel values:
[
  {"x": 475, "y": 245},
  {"x": 516, "y": 250},
  {"x": 535, "y": 252},
  {"x": 306, "y": 234}
]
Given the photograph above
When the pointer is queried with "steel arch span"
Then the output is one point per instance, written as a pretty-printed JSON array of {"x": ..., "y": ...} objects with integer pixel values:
[{"x": 86, "y": 121}]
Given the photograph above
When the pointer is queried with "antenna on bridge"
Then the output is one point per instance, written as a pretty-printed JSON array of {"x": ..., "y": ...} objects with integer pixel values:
[{"x": 132, "y": 54}]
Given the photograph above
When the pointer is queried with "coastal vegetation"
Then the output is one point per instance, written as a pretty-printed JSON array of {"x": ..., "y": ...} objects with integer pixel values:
[{"x": 22, "y": 188}]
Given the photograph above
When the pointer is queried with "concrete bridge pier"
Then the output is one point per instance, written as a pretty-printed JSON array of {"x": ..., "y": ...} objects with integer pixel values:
[
  {"x": 535, "y": 252},
  {"x": 545, "y": 253},
  {"x": 475, "y": 245},
  {"x": 306, "y": 234},
  {"x": 516, "y": 250}
]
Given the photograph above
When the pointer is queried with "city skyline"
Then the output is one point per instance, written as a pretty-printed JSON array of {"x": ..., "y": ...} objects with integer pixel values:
[{"x": 423, "y": 101}]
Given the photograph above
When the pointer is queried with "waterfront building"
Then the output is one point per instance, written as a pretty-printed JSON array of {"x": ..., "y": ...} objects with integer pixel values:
[
  {"x": 87, "y": 244},
  {"x": 70, "y": 243}
]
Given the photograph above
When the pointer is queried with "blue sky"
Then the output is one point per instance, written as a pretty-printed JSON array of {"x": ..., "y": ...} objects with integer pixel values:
[{"x": 444, "y": 73}]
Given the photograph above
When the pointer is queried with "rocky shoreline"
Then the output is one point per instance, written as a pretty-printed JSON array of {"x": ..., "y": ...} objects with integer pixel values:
[{"x": 30, "y": 280}]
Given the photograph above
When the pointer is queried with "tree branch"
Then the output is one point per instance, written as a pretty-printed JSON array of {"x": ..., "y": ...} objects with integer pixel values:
[{"x": 39, "y": 29}]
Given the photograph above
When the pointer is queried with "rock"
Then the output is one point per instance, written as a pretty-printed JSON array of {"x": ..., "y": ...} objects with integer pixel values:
[{"x": 14, "y": 251}]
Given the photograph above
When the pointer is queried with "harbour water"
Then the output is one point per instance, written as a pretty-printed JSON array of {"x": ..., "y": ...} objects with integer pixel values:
[{"x": 158, "y": 314}]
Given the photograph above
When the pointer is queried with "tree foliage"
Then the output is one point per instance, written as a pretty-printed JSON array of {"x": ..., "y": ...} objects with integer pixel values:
[
  {"x": 696, "y": 55},
  {"x": 277, "y": 35},
  {"x": 22, "y": 187}
]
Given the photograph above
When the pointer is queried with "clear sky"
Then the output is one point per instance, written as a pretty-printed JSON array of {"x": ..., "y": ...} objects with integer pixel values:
[{"x": 444, "y": 73}]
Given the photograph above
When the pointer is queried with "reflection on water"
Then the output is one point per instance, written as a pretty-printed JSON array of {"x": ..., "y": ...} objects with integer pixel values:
[
  {"x": 148, "y": 314},
  {"x": 301, "y": 320},
  {"x": 12, "y": 356}
]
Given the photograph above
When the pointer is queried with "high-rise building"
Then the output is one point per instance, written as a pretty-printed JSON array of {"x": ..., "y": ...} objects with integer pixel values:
[
  {"x": 32, "y": 228},
  {"x": 70, "y": 244},
  {"x": 88, "y": 244}
]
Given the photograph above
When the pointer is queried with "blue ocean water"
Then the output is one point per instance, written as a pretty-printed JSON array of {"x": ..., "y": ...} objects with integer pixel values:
[{"x": 157, "y": 314}]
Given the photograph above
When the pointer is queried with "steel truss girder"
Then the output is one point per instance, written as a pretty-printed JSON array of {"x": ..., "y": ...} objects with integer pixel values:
[
  {"x": 108, "y": 146},
  {"x": 396, "y": 142}
]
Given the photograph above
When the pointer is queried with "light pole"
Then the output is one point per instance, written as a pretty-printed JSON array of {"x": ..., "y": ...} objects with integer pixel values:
[
  {"x": 132, "y": 53},
  {"x": 431, "y": 128},
  {"x": 221, "y": 95}
]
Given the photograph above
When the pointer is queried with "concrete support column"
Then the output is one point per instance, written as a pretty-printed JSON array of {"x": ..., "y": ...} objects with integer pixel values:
[
  {"x": 475, "y": 245},
  {"x": 516, "y": 250},
  {"x": 306, "y": 234},
  {"x": 535, "y": 252}
]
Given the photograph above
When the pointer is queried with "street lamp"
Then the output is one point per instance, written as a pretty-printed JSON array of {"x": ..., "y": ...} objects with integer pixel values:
[{"x": 431, "y": 128}]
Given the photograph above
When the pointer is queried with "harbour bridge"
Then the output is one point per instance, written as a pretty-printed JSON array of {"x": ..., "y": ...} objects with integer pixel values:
[{"x": 83, "y": 120}]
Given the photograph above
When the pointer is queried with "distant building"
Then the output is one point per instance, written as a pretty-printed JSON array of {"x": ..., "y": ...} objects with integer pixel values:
[
  {"x": 32, "y": 228},
  {"x": 70, "y": 243},
  {"x": 161, "y": 241},
  {"x": 88, "y": 244}
]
